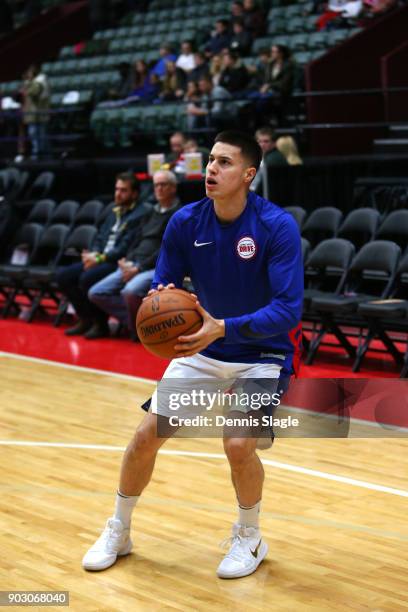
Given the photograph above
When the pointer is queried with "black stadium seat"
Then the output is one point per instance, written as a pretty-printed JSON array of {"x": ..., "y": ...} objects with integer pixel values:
[
  {"x": 360, "y": 226},
  {"x": 88, "y": 213},
  {"x": 325, "y": 271},
  {"x": 395, "y": 228},
  {"x": 65, "y": 212},
  {"x": 80, "y": 239},
  {"x": 12, "y": 271},
  {"x": 298, "y": 213},
  {"x": 12, "y": 183},
  {"x": 38, "y": 281},
  {"x": 305, "y": 249},
  {"x": 322, "y": 223},
  {"x": 41, "y": 212},
  {"x": 326, "y": 268},
  {"x": 41, "y": 187},
  {"x": 387, "y": 315},
  {"x": 370, "y": 276}
]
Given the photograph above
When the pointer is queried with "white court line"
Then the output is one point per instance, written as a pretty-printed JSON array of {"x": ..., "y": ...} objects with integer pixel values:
[
  {"x": 276, "y": 464},
  {"x": 152, "y": 381},
  {"x": 70, "y": 366}
]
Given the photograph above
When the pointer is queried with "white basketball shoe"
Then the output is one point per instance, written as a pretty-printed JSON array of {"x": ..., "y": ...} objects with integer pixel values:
[
  {"x": 246, "y": 553},
  {"x": 114, "y": 542}
]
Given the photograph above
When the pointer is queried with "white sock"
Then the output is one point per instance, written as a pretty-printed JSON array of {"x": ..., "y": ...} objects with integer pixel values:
[
  {"x": 124, "y": 508},
  {"x": 249, "y": 517}
]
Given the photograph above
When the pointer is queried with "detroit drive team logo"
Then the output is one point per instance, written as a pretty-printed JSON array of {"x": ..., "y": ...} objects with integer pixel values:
[{"x": 246, "y": 247}]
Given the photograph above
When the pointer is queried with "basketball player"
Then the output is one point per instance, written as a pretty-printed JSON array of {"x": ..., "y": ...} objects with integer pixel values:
[{"x": 243, "y": 255}]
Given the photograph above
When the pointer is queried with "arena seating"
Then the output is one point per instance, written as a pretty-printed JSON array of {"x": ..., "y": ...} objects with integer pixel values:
[
  {"x": 385, "y": 316},
  {"x": 91, "y": 72},
  {"x": 370, "y": 276},
  {"x": 52, "y": 235},
  {"x": 352, "y": 268}
]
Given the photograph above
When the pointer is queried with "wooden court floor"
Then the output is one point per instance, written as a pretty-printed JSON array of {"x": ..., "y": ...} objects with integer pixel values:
[{"x": 335, "y": 544}]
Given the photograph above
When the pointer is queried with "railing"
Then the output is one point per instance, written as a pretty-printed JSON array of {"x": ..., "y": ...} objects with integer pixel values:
[{"x": 297, "y": 122}]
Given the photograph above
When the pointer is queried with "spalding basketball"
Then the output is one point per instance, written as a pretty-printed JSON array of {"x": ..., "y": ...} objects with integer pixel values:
[{"x": 163, "y": 317}]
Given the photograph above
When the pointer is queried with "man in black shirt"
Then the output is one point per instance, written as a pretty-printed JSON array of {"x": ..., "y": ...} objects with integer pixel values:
[
  {"x": 120, "y": 294},
  {"x": 110, "y": 244}
]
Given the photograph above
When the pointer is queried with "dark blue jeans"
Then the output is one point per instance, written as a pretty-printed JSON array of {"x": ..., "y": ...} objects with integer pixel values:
[
  {"x": 38, "y": 135},
  {"x": 75, "y": 283}
]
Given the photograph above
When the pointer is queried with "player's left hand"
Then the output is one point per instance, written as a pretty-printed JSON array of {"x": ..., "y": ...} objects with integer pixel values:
[{"x": 211, "y": 330}]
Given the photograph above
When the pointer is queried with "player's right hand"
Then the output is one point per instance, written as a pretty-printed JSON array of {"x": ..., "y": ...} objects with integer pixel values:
[
  {"x": 160, "y": 288},
  {"x": 169, "y": 286}
]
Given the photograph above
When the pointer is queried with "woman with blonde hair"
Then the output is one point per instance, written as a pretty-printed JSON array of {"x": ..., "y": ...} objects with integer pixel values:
[{"x": 287, "y": 146}]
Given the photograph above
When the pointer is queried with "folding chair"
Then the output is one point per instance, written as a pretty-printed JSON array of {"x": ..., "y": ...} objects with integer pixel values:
[
  {"x": 80, "y": 239},
  {"x": 387, "y": 315},
  {"x": 360, "y": 226},
  {"x": 37, "y": 283},
  {"x": 395, "y": 228},
  {"x": 370, "y": 276},
  {"x": 298, "y": 213},
  {"x": 13, "y": 271},
  {"x": 323, "y": 223}
]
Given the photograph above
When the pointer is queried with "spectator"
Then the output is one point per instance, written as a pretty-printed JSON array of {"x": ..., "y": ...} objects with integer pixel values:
[
  {"x": 110, "y": 244},
  {"x": 279, "y": 78},
  {"x": 288, "y": 148},
  {"x": 174, "y": 83},
  {"x": 166, "y": 54},
  {"x": 274, "y": 92},
  {"x": 216, "y": 68},
  {"x": 186, "y": 59},
  {"x": 266, "y": 139},
  {"x": 260, "y": 70},
  {"x": 36, "y": 101},
  {"x": 192, "y": 92},
  {"x": 135, "y": 85},
  {"x": 21, "y": 126},
  {"x": 338, "y": 10},
  {"x": 234, "y": 75},
  {"x": 352, "y": 9},
  {"x": 215, "y": 108},
  {"x": 241, "y": 39},
  {"x": 140, "y": 74},
  {"x": 121, "y": 293},
  {"x": 254, "y": 19},
  {"x": 147, "y": 85},
  {"x": 237, "y": 11},
  {"x": 220, "y": 38},
  {"x": 192, "y": 146},
  {"x": 177, "y": 142},
  {"x": 201, "y": 67}
]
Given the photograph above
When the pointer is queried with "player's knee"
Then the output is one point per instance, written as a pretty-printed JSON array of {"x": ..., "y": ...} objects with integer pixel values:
[
  {"x": 92, "y": 294},
  {"x": 238, "y": 450},
  {"x": 143, "y": 442}
]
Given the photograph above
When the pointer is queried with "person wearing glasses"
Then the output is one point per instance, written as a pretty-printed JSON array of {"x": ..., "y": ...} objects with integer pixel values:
[{"x": 121, "y": 293}]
